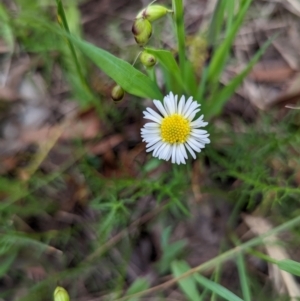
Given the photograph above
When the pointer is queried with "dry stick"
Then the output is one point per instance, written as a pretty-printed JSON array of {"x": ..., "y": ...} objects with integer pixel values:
[
  {"x": 209, "y": 264},
  {"x": 115, "y": 239}
]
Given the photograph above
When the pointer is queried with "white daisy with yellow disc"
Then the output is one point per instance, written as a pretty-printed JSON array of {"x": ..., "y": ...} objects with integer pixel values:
[{"x": 173, "y": 130}]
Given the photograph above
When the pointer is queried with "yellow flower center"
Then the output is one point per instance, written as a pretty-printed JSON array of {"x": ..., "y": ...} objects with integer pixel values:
[{"x": 175, "y": 129}]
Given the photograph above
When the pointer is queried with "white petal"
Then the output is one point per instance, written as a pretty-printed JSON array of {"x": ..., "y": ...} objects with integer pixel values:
[
  {"x": 173, "y": 153},
  {"x": 187, "y": 105},
  {"x": 181, "y": 104},
  {"x": 170, "y": 104},
  {"x": 153, "y": 147},
  {"x": 191, "y": 109},
  {"x": 156, "y": 151},
  {"x": 155, "y": 114},
  {"x": 169, "y": 152},
  {"x": 175, "y": 103},
  {"x": 151, "y": 132},
  {"x": 192, "y": 143},
  {"x": 151, "y": 117},
  {"x": 160, "y": 107},
  {"x": 204, "y": 140},
  {"x": 199, "y": 132},
  {"x": 190, "y": 150},
  {"x": 183, "y": 151},
  {"x": 159, "y": 150},
  {"x": 151, "y": 125},
  {"x": 180, "y": 157},
  {"x": 154, "y": 141},
  {"x": 191, "y": 116},
  {"x": 164, "y": 151}
]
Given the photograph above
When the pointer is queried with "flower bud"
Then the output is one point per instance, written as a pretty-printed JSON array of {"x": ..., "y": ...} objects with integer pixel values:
[
  {"x": 153, "y": 12},
  {"x": 60, "y": 294},
  {"x": 117, "y": 93},
  {"x": 142, "y": 30},
  {"x": 147, "y": 59}
]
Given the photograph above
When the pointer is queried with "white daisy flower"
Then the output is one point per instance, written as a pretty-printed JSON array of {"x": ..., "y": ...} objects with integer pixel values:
[{"x": 174, "y": 131}]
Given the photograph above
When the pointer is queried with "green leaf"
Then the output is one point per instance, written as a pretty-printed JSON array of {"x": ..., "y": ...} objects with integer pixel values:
[
  {"x": 190, "y": 82},
  {"x": 7, "y": 261},
  {"x": 243, "y": 277},
  {"x": 167, "y": 61},
  {"x": 221, "y": 54},
  {"x": 217, "y": 288},
  {"x": 6, "y": 32},
  {"x": 290, "y": 266},
  {"x": 216, "y": 102},
  {"x": 139, "y": 285},
  {"x": 187, "y": 285},
  {"x": 230, "y": 6},
  {"x": 216, "y": 23},
  {"x": 170, "y": 252},
  {"x": 124, "y": 74},
  {"x": 180, "y": 32},
  {"x": 78, "y": 67}
]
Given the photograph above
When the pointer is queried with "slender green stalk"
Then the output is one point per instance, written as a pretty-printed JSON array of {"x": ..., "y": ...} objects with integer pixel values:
[
  {"x": 243, "y": 277},
  {"x": 218, "y": 272},
  {"x": 230, "y": 14},
  {"x": 216, "y": 23},
  {"x": 201, "y": 87},
  {"x": 204, "y": 294},
  {"x": 64, "y": 24},
  {"x": 216, "y": 279},
  {"x": 262, "y": 256},
  {"x": 151, "y": 73},
  {"x": 179, "y": 26}
]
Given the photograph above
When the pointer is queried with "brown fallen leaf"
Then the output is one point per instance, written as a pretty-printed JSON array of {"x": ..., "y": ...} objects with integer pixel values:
[
  {"x": 106, "y": 144},
  {"x": 271, "y": 75},
  {"x": 290, "y": 96},
  {"x": 281, "y": 279},
  {"x": 86, "y": 127}
]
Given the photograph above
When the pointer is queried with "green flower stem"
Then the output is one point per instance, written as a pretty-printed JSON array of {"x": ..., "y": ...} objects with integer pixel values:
[
  {"x": 151, "y": 73},
  {"x": 64, "y": 24},
  {"x": 262, "y": 256},
  {"x": 243, "y": 277},
  {"x": 201, "y": 87},
  {"x": 179, "y": 26}
]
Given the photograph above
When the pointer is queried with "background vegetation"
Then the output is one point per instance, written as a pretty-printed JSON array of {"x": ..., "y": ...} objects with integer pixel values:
[{"x": 85, "y": 207}]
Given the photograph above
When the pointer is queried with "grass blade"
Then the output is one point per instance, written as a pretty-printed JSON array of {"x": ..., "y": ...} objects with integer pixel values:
[
  {"x": 188, "y": 285},
  {"x": 243, "y": 277},
  {"x": 217, "y": 101},
  {"x": 221, "y": 54},
  {"x": 290, "y": 266},
  {"x": 140, "y": 284},
  {"x": 216, "y": 23},
  {"x": 62, "y": 20},
  {"x": 217, "y": 288},
  {"x": 180, "y": 32}
]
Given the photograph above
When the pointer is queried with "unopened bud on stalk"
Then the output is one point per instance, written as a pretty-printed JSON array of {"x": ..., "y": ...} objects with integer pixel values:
[
  {"x": 153, "y": 12},
  {"x": 147, "y": 59},
  {"x": 142, "y": 30},
  {"x": 60, "y": 294},
  {"x": 117, "y": 93}
]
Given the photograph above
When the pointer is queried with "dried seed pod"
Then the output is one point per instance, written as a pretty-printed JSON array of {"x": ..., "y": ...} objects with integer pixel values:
[
  {"x": 147, "y": 59},
  {"x": 117, "y": 93},
  {"x": 142, "y": 30},
  {"x": 153, "y": 12}
]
